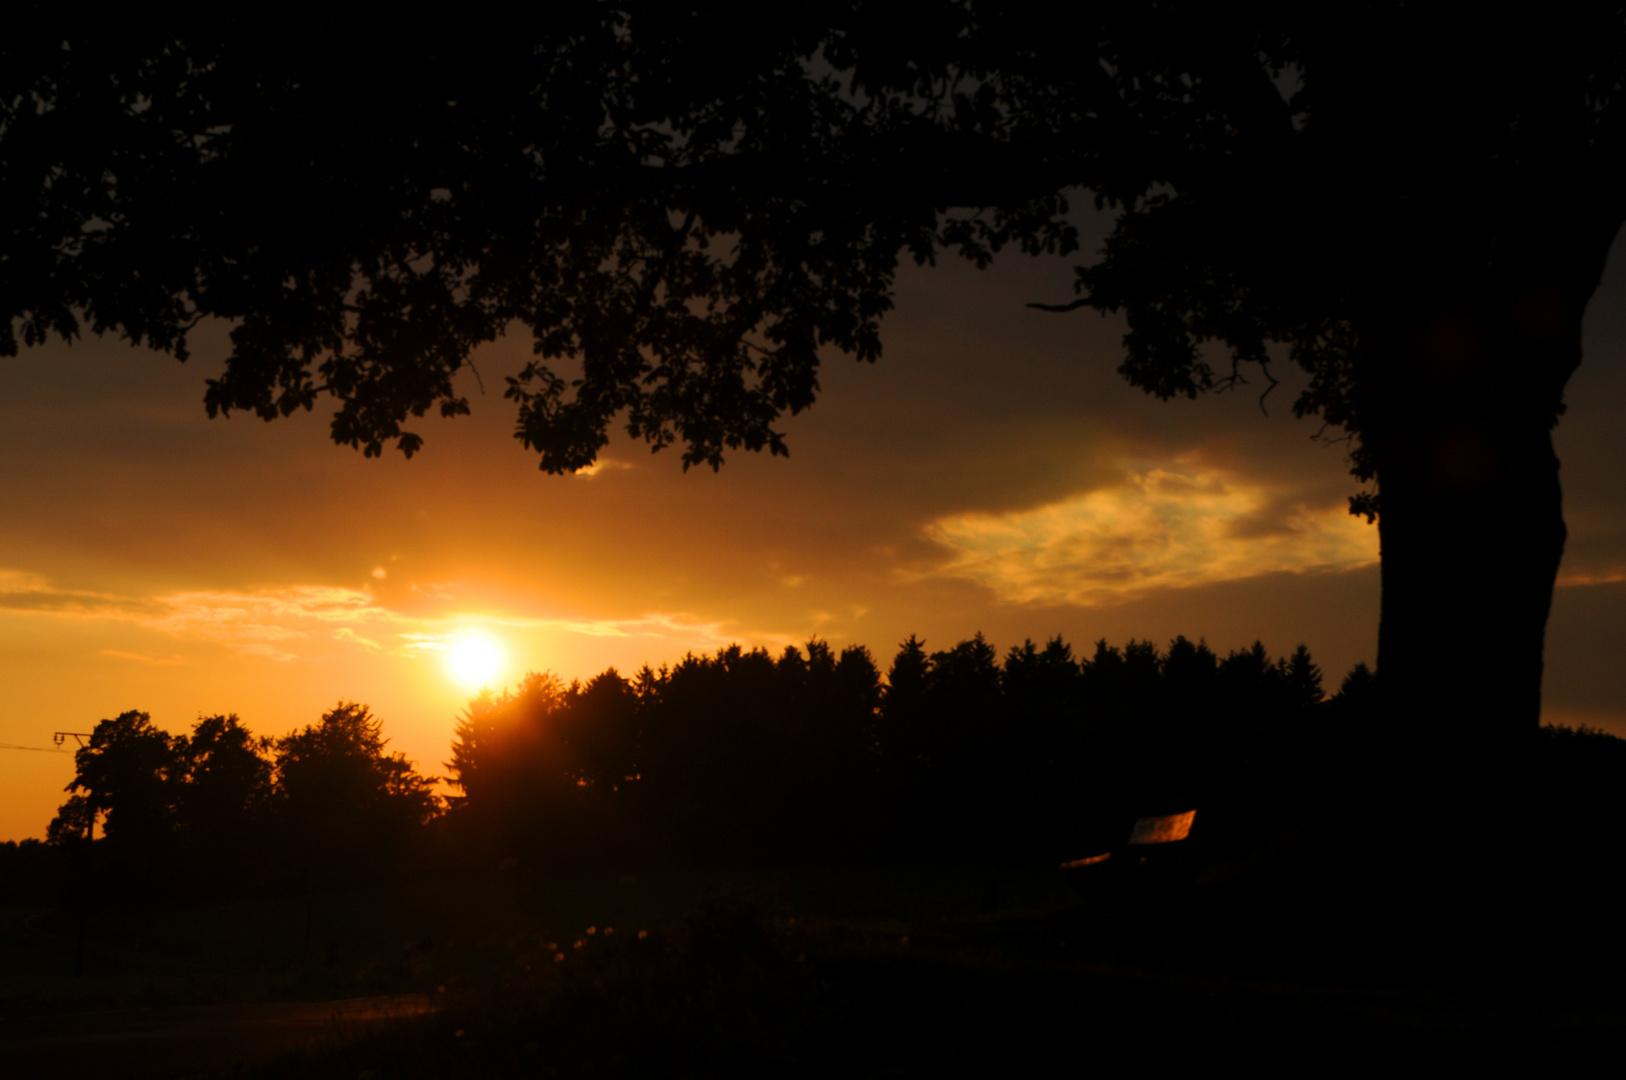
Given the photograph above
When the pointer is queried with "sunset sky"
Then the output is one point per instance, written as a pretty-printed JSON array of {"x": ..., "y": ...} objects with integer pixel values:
[{"x": 991, "y": 473}]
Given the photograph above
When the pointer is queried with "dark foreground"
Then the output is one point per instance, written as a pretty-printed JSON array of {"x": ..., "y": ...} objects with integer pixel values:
[
  {"x": 190, "y": 1040},
  {"x": 962, "y": 1007},
  {"x": 796, "y": 973}
]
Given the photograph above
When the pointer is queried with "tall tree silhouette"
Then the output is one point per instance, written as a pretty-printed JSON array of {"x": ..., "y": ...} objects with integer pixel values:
[
  {"x": 548, "y": 769},
  {"x": 341, "y": 796},
  {"x": 686, "y": 204},
  {"x": 127, "y": 775},
  {"x": 223, "y": 796}
]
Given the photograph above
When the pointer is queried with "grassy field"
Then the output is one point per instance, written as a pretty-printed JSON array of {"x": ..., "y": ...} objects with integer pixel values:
[
  {"x": 911, "y": 974},
  {"x": 811, "y": 971},
  {"x": 422, "y": 932},
  {"x": 825, "y": 970}
]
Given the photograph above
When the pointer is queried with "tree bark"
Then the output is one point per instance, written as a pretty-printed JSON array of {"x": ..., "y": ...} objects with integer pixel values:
[
  {"x": 1465, "y": 388},
  {"x": 1472, "y": 533}
]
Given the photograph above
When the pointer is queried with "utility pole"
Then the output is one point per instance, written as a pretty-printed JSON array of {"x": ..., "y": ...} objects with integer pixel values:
[
  {"x": 78, "y": 873},
  {"x": 57, "y": 739}
]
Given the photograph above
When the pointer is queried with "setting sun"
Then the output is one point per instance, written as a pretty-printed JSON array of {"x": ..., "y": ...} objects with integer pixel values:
[{"x": 473, "y": 659}]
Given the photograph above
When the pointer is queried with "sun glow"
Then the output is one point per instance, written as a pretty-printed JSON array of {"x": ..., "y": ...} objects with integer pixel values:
[{"x": 472, "y": 659}]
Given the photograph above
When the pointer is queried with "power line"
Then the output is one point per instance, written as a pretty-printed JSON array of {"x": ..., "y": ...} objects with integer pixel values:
[{"x": 41, "y": 749}]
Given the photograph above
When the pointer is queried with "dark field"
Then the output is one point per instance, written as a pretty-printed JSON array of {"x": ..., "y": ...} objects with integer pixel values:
[{"x": 877, "y": 971}]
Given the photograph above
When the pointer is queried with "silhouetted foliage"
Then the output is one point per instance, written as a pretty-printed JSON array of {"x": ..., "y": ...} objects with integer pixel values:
[
  {"x": 683, "y": 205},
  {"x": 744, "y": 756},
  {"x": 223, "y": 797},
  {"x": 513, "y": 756},
  {"x": 1358, "y": 692},
  {"x": 220, "y": 809},
  {"x": 126, "y": 779},
  {"x": 32, "y": 872},
  {"x": 340, "y": 797}
]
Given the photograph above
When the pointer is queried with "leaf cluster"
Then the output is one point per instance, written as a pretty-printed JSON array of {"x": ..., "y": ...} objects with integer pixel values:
[{"x": 687, "y": 209}]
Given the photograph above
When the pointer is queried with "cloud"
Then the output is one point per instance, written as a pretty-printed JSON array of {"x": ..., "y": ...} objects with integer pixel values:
[
  {"x": 264, "y": 651},
  {"x": 141, "y": 658},
  {"x": 603, "y": 464},
  {"x": 261, "y": 622},
  {"x": 25, "y": 592},
  {"x": 265, "y": 622},
  {"x": 681, "y": 627},
  {"x": 1162, "y": 526},
  {"x": 659, "y": 625},
  {"x": 281, "y": 624},
  {"x": 344, "y": 633}
]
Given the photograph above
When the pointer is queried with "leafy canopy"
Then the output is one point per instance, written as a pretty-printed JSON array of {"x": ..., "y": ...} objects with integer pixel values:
[{"x": 684, "y": 208}]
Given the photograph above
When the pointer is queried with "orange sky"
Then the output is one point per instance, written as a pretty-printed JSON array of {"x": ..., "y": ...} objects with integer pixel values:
[{"x": 990, "y": 473}]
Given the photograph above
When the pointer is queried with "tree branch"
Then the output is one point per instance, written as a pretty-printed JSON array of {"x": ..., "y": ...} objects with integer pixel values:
[{"x": 1072, "y": 305}]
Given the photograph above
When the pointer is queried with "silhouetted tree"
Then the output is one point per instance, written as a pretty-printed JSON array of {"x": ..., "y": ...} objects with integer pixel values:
[
  {"x": 721, "y": 748},
  {"x": 484, "y": 739},
  {"x": 742, "y": 756},
  {"x": 1189, "y": 673},
  {"x": 1301, "y": 680},
  {"x": 902, "y": 717},
  {"x": 1357, "y": 694},
  {"x": 602, "y": 731},
  {"x": 963, "y": 742},
  {"x": 737, "y": 756},
  {"x": 1042, "y": 725},
  {"x": 1247, "y": 679},
  {"x": 831, "y": 702},
  {"x": 900, "y": 748},
  {"x": 127, "y": 777},
  {"x": 226, "y": 780},
  {"x": 1106, "y": 680},
  {"x": 340, "y": 796},
  {"x": 548, "y": 770},
  {"x": 74, "y": 823},
  {"x": 220, "y": 793},
  {"x": 32, "y": 872},
  {"x": 691, "y": 203}
]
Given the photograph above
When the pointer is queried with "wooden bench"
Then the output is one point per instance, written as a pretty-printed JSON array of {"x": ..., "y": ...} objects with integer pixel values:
[{"x": 1145, "y": 833}]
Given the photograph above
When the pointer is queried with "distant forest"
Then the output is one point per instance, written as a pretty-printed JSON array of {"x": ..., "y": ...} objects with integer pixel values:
[{"x": 737, "y": 757}]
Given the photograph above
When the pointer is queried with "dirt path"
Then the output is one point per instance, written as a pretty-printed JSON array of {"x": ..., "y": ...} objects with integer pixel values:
[{"x": 179, "y": 1041}]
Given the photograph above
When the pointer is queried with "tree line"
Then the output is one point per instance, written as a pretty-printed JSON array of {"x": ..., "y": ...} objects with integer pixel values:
[
  {"x": 740, "y": 756},
  {"x": 223, "y": 808},
  {"x": 748, "y": 756}
]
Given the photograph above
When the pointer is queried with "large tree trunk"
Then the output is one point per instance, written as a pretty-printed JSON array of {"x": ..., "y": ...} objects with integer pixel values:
[
  {"x": 1458, "y": 400},
  {"x": 1472, "y": 532},
  {"x": 1457, "y": 415}
]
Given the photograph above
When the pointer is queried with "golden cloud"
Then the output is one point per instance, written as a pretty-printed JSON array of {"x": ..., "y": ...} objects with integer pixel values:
[
  {"x": 587, "y": 472},
  {"x": 281, "y": 623},
  {"x": 1167, "y": 526},
  {"x": 141, "y": 658}
]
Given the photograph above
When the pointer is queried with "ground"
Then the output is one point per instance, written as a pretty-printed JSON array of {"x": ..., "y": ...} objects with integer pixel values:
[{"x": 813, "y": 971}]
